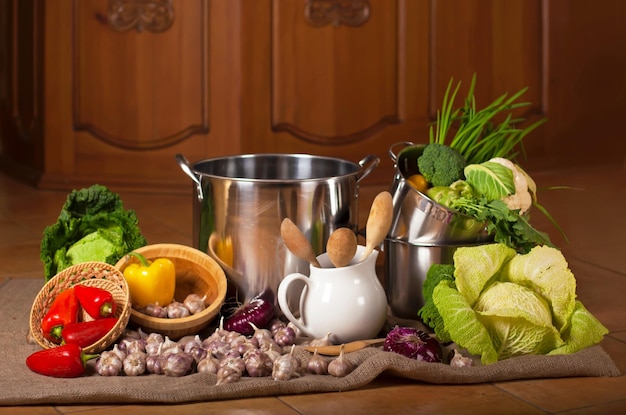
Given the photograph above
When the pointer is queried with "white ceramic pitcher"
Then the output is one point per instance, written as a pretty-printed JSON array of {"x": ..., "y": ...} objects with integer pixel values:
[{"x": 348, "y": 302}]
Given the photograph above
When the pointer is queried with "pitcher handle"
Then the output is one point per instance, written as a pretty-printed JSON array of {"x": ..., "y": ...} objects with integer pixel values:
[
  {"x": 283, "y": 289},
  {"x": 367, "y": 163},
  {"x": 188, "y": 170}
]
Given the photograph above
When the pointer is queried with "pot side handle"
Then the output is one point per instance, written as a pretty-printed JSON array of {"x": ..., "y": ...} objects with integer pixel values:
[
  {"x": 394, "y": 155},
  {"x": 188, "y": 170},
  {"x": 368, "y": 163}
]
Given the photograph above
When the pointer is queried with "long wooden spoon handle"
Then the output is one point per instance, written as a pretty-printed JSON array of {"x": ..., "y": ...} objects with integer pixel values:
[
  {"x": 297, "y": 243},
  {"x": 347, "y": 348},
  {"x": 378, "y": 222}
]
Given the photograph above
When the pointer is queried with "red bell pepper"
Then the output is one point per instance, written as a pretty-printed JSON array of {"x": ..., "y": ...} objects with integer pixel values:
[
  {"x": 67, "y": 361},
  {"x": 97, "y": 302},
  {"x": 63, "y": 310},
  {"x": 86, "y": 333}
]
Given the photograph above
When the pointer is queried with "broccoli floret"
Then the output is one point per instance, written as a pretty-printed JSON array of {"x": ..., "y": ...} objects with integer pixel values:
[{"x": 441, "y": 165}]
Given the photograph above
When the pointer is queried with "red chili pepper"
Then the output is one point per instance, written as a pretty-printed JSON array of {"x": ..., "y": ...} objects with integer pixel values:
[
  {"x": 86, "y": 333},
  {"x": 97, "y": 302},
  {"x": 63, "y": 310},
  {"x": 67, "y": 361}
]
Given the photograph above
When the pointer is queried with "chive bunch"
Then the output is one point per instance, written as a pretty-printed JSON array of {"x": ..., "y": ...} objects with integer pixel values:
[{"x": 478, "y": 137}]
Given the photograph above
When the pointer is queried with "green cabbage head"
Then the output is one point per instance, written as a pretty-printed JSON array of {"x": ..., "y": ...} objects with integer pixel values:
[{"x": 501, "y": 304}]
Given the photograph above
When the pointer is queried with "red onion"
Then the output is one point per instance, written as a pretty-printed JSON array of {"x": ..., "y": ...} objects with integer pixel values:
[
  {"x": 413, "y": 343},
  {"x": 258, "y": 311}
]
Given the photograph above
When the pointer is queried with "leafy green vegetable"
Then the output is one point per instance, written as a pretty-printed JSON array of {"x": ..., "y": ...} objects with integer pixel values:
[
  {"x": 473, "y": 271},
  {"x": 518, "y": 320},
  {"x": 544, "y": 270},
  {"x": 519, "y": 307},
  {"x": 479, "y": 197},
  {"x": 492, "y": 180},
  {"x": 462, "y": 322},
  {"x": 428, "y": 312},
  {"x": 92, "y": 226},
  {"x": 585, "y": 331},
  {"x": 508, "y": 226}
]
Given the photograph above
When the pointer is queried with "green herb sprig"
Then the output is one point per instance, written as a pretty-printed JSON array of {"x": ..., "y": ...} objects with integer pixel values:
[{"x": 478, "y": 138}]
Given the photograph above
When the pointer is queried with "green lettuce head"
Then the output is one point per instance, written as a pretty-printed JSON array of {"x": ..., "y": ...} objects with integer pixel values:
[
  {"x": 501, "y": 304},
  {"x": 92, "y": 226}
]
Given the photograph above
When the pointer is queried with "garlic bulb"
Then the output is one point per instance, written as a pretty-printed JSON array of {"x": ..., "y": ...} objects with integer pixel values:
[
  {"x": 177, "y": 310},
  {"x": 108, "y": 364},
  {"x": 341, "y": 366},
  {"x": 135, "y": 364},
  {"x": 317, "y": 364},
  {"x": 286, "y": 366},
  {"x": 194, "y": 303}
]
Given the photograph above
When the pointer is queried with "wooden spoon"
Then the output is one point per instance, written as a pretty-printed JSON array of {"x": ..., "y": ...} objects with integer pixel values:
[
  {"x": 347, "y": 348},
  {"x": 341, "y": 247},
  {"x": 378, "y": 222},
  {"x": 297, "y": 243}
]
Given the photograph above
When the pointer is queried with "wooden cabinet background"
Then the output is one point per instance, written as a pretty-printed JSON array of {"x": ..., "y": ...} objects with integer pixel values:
[{"x": 109, "y": 91}]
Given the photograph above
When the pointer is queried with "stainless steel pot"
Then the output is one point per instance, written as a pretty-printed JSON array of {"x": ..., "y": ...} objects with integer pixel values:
[
  {"x": 240, "y": 202},
  {"x": 419, "y": 219},
  {"x": 406, "y": 265},
  {"x": 422, "y": 233}
]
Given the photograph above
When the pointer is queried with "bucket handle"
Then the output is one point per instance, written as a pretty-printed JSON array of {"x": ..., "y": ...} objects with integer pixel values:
[
  {"x": 368, "y": 163},
  {"x": 188, "y": 170},
  {"x": 394, "y": 155}
]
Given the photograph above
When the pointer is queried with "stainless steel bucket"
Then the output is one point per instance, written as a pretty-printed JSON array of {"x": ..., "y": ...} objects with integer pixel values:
[
  {"x": 417, "y": 218},
  {"x": 406, "y": 265},
  {"x": 422, "y": 233},
  {"x": 240, "y": 202}
]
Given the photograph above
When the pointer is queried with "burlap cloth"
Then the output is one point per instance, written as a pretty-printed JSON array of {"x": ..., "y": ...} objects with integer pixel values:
[{"x": 20, "y": 386}]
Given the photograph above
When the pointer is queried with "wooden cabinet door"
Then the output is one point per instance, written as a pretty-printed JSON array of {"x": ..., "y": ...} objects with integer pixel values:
[
  {"x": 342, "y": 79},
  {"x": 323, "y": 81},
  {"x": 349, "y": 78},
  {"x": 110, "y": 90},
  {"x": 127, "y": 88}
]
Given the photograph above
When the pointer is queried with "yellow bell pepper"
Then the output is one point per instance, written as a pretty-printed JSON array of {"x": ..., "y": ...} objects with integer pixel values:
[{"x": 150, "y": 282}]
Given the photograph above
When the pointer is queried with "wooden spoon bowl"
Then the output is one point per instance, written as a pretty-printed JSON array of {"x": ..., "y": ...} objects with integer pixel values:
[
  {"x": 341, "y": 247},
  {"x": 297, "y": 243}
]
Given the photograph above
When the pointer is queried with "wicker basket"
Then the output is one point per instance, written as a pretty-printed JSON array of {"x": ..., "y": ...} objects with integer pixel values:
[{"x": 94, "y": 274}]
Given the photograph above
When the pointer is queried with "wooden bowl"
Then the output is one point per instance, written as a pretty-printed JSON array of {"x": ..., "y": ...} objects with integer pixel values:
[
  {"x": 94, "y": 274},
  {"x": 196, "y": 273}
]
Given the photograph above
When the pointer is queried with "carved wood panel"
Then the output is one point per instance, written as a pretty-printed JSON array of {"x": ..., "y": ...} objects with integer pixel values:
[
  {"x": 153, "y": 15},
  {"x": 112, "y": 80},
  {"x": 334, "y": 84},
  {"x": 140, "y": 71},
  {"x": 337, "y": 12}
]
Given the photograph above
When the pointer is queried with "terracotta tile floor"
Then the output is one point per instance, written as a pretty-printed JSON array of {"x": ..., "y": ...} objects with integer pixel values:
[{"x": 594, "y": 220}]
